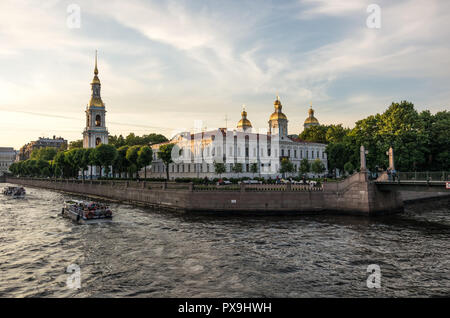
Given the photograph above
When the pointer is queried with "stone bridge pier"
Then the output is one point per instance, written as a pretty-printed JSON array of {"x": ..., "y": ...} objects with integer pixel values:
[{"x": 358, "y": 194}]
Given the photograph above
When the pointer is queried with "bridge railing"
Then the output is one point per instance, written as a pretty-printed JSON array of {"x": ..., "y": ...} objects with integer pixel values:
[{"x": 424, "y": 176}]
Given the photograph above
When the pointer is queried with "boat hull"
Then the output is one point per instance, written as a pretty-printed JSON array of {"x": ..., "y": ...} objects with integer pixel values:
[{"x": 73, "y": 215}]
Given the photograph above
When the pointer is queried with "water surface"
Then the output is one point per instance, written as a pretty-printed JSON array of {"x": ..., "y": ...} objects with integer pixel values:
[{"x": 147, "y": 253}]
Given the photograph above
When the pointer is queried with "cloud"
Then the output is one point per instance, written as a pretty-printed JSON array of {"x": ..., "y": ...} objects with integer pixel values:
[
  {"x": 316, "y": 8},
  {"x": 165, "y": 64}
]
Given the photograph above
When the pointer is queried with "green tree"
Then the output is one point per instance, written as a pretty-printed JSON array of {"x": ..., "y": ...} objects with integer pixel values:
[
  {"x": 60, "y": 164},
  {"x": 121, "y": 163},
  {"x": 437, "y": 155},
  {"x": 90, "y": 159},
  {"x": 165, "y": 154},
  {"x": 219, "y": 168},
  {"x": 349, "y": 168},
  {"x": 254, "y": 167},
  {"x": 145, "y": 158},
  {"x": 338, "y": 154},
  {"x": 132, "y": 157},
  {"x": 336, "y": 133},
  {"x": 76, "y": 144},
  {"x": 315, "y": 134},
  {"x": 105, "y": 156},
  {"x": 46, "y": 153},
  {"x": 304, "y": 166},
  {"x": 286, "y": 166},
  {"x": 116, "y": 141},
  {"x": 73, "y": 159},
  {"x": 318, "y": 167},
  {"x": 237, "y": 168},
  {"x": 43, "y": 168}
]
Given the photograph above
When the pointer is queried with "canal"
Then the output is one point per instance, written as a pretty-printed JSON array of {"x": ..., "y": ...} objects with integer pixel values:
[{"x": 147, "y": 253}]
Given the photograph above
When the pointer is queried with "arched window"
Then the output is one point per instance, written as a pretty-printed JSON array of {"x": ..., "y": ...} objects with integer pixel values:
[
  {"x": 98, "y": 120},
  {"x": 98, "y": 141}
]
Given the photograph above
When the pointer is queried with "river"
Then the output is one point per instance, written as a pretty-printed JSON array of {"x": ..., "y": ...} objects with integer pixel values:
[{"x": 148, "y": 253}]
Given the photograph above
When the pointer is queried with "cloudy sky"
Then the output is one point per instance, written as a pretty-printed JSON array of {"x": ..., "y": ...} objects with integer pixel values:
[{"x": 165, "y": 64}]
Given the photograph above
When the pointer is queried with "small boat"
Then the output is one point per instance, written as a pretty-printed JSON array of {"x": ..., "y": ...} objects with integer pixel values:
[
  {"x": 85, "y": 212},
  {"x": 15, "y": 192}
]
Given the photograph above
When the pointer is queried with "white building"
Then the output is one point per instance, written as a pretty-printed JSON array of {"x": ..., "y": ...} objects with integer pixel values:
[
  {"x": 7, "y": 158},
  {"x": 260, "y": 154},
  {"x": 95, "y": 132}
]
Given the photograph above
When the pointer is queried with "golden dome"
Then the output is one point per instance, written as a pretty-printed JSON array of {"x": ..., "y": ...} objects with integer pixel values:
[
  {"x": 277, "y": 114},
  {"x": 311, "y": 119},
  {"x": 244, "y": 122},
  {"x": 97, "y": 102}
]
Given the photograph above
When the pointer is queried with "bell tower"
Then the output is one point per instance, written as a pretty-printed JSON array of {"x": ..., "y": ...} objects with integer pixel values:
[
  {"x": 278, "y": 122},
  {"x": 95, "y": 132}
]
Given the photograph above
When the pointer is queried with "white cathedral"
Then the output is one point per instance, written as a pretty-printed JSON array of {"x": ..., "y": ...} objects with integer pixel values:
[{"x": 259, "y": 153}]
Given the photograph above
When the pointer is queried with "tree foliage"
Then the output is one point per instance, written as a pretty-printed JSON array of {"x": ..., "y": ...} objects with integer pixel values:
[
  {"x": 165, "y": 154},
  {"x": 420, "y": 141},
  {"x": 286, "y": 166},
  {"x": 317, "y": 166},
  {"x": 133, "y": 140},
  {"x": 304, "y": 167},
  {"x": 145, "y": 158},
  {"x": 76, "y": 144},
  {"x": 46, "y": 153},
  {"x": 219, "y": 168}
]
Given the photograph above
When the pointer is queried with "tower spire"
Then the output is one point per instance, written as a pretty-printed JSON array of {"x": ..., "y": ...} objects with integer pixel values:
[{"x": 95, "y": 70}]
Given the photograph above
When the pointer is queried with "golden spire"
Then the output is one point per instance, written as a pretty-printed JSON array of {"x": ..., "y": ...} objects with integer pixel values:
[
  {"x": 96, "y": 100},
  {"x": 95, "y": 80},
  {"x": 95, "y": 70}
]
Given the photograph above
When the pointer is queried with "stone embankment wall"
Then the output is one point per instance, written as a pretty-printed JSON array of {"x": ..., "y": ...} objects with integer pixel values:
[{"x": 353, "y": 195}]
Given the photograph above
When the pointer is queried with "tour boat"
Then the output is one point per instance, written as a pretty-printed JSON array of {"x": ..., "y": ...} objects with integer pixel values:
[
  {"x": 15, "y": 192},
  {"x": 86, "y": 212}
]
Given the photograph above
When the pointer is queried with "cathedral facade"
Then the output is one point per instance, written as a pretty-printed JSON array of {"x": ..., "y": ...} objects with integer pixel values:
[{"x": 258, "y": 154}]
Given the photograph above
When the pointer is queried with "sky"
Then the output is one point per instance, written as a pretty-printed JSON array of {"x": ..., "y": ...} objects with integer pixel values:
[{"x": 165, "y": 65}]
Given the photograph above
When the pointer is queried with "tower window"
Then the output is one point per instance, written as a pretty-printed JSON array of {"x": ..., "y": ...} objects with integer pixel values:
[
  {"x": 98, "y": 120},
  {"x": 98, "y": 141}
]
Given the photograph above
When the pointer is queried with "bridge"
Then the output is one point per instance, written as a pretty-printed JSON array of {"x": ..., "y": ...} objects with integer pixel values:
[
  {"x": 415, "y": 181},
  {"x": 435, "y": 181}
]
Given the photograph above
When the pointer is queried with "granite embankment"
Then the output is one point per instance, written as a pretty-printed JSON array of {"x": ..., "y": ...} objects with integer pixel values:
[{"x": 354, "y": 195}]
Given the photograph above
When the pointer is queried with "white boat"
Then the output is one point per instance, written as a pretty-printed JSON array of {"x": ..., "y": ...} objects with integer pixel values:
[
  {"x": 85, "y": 212},
  {"x": 15, "y": 192}
]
